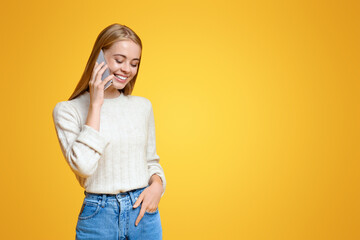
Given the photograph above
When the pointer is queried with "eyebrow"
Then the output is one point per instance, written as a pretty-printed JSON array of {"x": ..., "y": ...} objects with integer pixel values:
[{"x": 125, "y": 56}]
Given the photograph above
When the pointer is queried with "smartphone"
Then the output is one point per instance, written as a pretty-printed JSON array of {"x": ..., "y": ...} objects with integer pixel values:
[{"x": 106, "y": 73}]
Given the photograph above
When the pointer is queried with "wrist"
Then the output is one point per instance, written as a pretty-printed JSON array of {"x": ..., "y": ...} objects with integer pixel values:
[
  {"x": 95, "y": 107},
  {"x": 155, "y": 179}
]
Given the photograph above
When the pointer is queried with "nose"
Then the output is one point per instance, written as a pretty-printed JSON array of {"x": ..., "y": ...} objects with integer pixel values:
[{"x": 125, "y": 67}]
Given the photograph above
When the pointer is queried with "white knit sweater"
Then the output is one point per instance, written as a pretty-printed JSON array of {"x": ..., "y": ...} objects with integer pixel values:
[{"x": 121, "y": 156}]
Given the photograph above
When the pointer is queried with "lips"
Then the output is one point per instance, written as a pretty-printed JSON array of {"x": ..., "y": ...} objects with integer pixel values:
[
  {"x": 120, "y": 80},
  {"x": 121, "y": 75}
]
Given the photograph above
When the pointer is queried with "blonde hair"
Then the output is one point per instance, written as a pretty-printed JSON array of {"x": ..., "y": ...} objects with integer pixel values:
[{"x": 111, "y": 34}]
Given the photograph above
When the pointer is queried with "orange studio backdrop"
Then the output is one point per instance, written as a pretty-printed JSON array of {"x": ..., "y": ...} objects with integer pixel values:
[{"x": 256, "y": 110}]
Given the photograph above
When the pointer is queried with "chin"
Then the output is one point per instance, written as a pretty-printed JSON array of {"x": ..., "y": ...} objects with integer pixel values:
[{"x": 119, "y": 86}]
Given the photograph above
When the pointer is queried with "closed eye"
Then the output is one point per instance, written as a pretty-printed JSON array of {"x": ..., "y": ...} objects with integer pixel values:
[{"x": 131, "y": 64}]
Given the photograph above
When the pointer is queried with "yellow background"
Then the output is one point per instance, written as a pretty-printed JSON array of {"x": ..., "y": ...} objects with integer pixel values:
[{"x": 256, "y": 110}]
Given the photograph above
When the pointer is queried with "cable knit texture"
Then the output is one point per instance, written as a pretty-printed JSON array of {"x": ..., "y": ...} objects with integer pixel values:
[{"x": 121, "y": 156}]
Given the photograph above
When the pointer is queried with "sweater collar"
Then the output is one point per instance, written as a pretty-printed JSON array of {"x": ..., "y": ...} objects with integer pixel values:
[{"x": 121, "y": 96}]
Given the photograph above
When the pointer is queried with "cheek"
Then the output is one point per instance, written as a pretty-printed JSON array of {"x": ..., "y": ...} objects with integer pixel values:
[
  {"x": 134, "y": 71},
  {"x": 111, "y": 68}
]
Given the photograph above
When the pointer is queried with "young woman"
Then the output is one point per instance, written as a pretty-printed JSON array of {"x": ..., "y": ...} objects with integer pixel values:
[{"x": 108, "y": 139}]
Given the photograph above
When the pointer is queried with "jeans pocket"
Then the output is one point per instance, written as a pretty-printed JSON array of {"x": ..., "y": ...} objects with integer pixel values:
[
  {"x": 89, "y": 209},
  {"x": 152, "y": 213}
]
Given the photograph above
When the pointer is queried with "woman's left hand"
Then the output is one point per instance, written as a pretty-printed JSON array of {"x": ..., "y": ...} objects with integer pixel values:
[{"x": 150, "y": 198}]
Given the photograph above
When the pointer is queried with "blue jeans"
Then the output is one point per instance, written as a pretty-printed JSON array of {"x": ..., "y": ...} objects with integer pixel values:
[{"x": 112, "y": 217}]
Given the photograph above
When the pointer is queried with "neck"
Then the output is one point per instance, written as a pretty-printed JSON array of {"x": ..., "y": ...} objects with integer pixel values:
[{"x": 111, "y": 93}]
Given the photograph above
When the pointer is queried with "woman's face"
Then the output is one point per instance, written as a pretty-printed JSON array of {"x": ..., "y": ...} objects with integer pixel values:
[{"x": 123, "y": 61}]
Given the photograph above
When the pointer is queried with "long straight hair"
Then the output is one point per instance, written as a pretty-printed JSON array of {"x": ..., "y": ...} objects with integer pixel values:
[{"x": 111, "y": 34}]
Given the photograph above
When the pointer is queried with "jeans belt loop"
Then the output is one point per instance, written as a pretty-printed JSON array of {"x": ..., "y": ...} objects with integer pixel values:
[{"x": 103, "y": 200}]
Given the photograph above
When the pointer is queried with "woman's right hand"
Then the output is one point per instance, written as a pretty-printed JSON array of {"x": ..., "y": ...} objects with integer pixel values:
[{"x": 96, "y": 85}]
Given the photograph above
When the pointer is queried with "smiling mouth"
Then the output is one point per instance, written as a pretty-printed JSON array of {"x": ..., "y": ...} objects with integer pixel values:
[{"x": 120, "y": 78}]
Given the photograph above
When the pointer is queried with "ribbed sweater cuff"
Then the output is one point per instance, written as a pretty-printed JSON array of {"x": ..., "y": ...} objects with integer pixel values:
[{"x": 92, "y": 138}]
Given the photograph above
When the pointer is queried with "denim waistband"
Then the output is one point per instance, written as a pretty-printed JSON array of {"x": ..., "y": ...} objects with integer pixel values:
[{"x": 133, "y": 194}]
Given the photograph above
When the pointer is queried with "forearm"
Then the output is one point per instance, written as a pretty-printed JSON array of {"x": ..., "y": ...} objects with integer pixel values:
[{"x": 93, "y": 117}]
